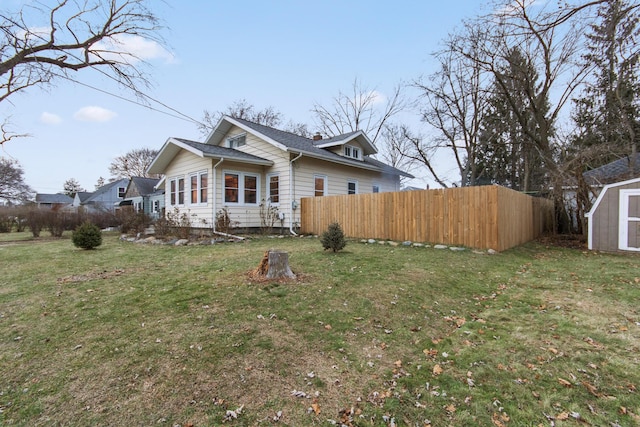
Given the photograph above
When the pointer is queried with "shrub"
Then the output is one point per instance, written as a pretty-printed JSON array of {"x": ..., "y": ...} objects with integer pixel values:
[
  {"x": 224, "y": 223},
  {"x": 35, "y": 221},
  {"x": 87, "y": 236},
  {"x": 333, "y": 238},
  {"x": 132, "y": 222}
]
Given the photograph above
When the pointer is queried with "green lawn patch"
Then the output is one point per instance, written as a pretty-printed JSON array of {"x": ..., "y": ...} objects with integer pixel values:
[{"x": 132, "y": 334}]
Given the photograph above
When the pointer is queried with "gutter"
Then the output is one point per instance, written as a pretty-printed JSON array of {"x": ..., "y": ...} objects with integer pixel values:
[{"x": 291, "y": 183}]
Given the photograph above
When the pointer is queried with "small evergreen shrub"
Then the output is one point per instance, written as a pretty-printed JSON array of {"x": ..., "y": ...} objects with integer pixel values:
[
  {"x": 333, "y": 238},
  {"x": 87, "y": 236}
]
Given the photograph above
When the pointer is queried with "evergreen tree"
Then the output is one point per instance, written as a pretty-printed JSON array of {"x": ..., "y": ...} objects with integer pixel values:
[
  {"x": 508, "y": 155},
  {"x": 608, "y": 113}
]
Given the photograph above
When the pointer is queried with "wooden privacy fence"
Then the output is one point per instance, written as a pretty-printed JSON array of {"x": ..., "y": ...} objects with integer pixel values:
[{"x": 486, "y": 217}]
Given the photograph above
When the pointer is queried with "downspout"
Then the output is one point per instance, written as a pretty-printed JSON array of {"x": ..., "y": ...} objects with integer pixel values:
[
  {"x": 291, "y": 195},
  {"x": 213, "y": 217}
]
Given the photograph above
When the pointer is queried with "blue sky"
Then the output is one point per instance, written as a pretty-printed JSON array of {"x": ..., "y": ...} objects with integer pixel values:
[{"x": 284, "y": 54}]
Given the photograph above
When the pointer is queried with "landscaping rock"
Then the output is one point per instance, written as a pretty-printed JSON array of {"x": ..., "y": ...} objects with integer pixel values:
[
  {"x": 406, "y": 243},
  {"x": 440, "y": 246},
  {"x": 418, "y": 245},
  {"x": 372, "y": 241},
  {"x": 492, "y": 252},
  {"x": 181, "y": 242},
  {"x": 391, "y": 243},
  {"x": 456, "y": 249}
]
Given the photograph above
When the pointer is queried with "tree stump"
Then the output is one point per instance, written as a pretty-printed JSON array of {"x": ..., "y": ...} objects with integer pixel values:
[{"x": 275, "y": 265}]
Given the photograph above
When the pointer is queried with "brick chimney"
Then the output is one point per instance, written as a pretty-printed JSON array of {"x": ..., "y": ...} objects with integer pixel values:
[{"x": 317, "y": 136}]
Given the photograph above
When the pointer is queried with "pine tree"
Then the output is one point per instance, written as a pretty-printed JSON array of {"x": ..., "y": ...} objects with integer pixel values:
[
  {"x": 508, "y": 154},
  {"x": 333, "y": 238},
  {"x": 608, "y": 113}
]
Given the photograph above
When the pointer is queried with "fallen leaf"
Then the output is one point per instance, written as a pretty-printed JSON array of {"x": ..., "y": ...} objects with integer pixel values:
[
  {"x": 327, "y": 327},
  {"x": 562, "y": 416},
  {"x": 437, "y": 370},
  {"x": 564, "y": 382},
  {"x": 553, "y": 350},
  {"x": 316, "y": 408},
  {"x": 430, "y": 352},
  {"x": 591, "y": 388},
  {"x": 398, "y": 364},
  {"x": 450, "y": 408}
]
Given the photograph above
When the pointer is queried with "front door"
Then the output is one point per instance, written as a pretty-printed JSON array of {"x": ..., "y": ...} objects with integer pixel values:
[{"x": 629, "y": 220}]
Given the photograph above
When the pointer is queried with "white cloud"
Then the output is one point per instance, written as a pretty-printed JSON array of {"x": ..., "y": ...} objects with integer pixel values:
[
  {"x": 50, "y": 118},
  {"x": 132, "y": 49},
  {"x": 94, "y": 114}
]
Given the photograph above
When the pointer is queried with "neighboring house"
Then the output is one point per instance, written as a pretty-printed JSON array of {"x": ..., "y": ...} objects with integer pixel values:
[
  {"x": 619, "y": 170},
  {"x": 143, "y": 196},
  {"x": 614, "y": 219},
  {"x": 242, "y": 165},
  {"x": 53, "y": 201},
  {"x": 104, "y": 199}
]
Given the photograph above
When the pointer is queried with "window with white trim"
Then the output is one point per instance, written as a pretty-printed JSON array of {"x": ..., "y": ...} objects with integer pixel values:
[
  {"x": 138, "y": 206},
  {"x": 156, "y": 206},
  {"x": 320, "y": 185},
  {"x": 273, "y": 189},
  {"x": 237, "y": 140},
  {"x": 121, "y": 192},
  {"x": 198, "y": 188},
  {"x": 352, "y": 187},
  {"x": 176, "y": 191},
  {"x": 241, "y": 188},
  {"x": 351, "y": 151},
  {"x": 376, "y": 188}
]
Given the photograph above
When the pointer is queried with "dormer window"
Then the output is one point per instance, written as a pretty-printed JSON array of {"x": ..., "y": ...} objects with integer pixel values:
[
  {"x": 351, "y": 151},
  {"x": 237, "y": 141}
]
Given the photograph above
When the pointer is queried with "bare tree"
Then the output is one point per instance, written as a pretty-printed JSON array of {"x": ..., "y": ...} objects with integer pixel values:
[
  {"x": 455, "y": 99},
  {"x": 242, "y": 109},
  {"x": 133, "y": 163},
  {"x": 368, "y": 110},
  {"x": 77, "y": 35},
  {"x": 13, "y": 189}
]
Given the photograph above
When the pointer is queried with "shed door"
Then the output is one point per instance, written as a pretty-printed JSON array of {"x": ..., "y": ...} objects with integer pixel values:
[{"x": 629, "y": 225}]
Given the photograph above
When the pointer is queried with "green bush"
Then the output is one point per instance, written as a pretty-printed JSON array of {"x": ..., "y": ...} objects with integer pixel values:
[
  {"x": 333, "y": 238},
  {"x": 87, "y": 236}
]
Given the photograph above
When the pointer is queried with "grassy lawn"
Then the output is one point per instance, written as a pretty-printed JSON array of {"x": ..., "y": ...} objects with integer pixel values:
[{"x": 375, "y": 335}]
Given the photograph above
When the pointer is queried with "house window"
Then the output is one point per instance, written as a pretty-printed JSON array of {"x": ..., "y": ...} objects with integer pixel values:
[
  {"x": 376, "y": 188},
  {"x": 193, "y": 179},
  {"x": 156, "y": 206},
  {"x": 231, "y": 187},
  {"x": 203, "y": 179},
  {"x": 121, "y": 192},
  {"x": 320, "y": 185},
  {"x": 176, "y": 191},
  {"x": 237, "y": 141},
  {"x": 251, "y": 189},
  {"x": 241, "y": 188},
  {"x": 352, "y": 187},
  {"x": 273, "y": 188},
  {"x": 351, "y": 151},
  {"x": 198, "y": 188},
  {"x": 138, "y": 206},
  {"x": 181, "y": 191}
]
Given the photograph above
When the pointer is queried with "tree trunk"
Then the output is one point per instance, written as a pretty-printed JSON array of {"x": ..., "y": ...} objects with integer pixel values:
[{"x": 275, "y": 265}]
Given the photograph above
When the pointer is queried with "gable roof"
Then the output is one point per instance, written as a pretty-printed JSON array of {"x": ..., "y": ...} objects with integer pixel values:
[
  {"x": 53, "y": 198},
  {"x": 123, "y": 182},
  {"x": 290, "y": 142},
  {"x": 172, "y": 147},
  {"x": 83, "y": 195},
  {"x": 626, "y": 167},
  {"x": 145, "y": 186}
]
